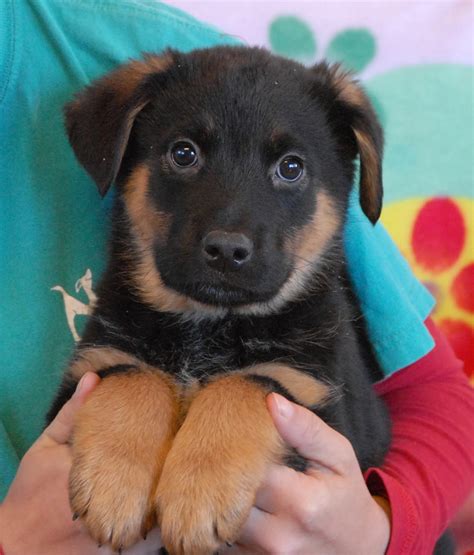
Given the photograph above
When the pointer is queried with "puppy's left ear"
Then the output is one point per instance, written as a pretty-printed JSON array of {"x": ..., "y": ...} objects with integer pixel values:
[
  {"x": 351, "y": 106},
  {"x": 100, "y": 118}
]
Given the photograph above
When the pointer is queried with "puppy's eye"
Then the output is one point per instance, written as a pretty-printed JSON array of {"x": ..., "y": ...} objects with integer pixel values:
[
  {"x": 184, "y": 154},
  {"x": 290, "y": 169}
]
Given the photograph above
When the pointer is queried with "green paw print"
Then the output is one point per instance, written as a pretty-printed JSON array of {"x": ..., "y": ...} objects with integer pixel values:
[
  {"x": 426, "y": 109},
  {"x": 292, "y": 37}
]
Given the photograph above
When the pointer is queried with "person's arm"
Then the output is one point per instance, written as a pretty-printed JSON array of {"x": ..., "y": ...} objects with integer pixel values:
[{"x": 429, "y": 470}]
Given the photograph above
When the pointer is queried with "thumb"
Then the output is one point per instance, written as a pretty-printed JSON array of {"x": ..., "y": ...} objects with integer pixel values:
[
  {"x": 60, "y": 429},
  {"x": 309, "y": 435}
]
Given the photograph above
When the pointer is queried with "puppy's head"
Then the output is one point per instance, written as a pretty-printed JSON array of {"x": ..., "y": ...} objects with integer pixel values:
[{"x": 233, "y": 170}]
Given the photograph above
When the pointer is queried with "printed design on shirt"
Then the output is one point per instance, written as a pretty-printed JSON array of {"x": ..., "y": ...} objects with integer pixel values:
[{"x": 74, "y": 307}]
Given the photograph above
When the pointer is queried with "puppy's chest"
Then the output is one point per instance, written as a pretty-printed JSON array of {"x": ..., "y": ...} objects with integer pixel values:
[{"x": 202, "y": 351}]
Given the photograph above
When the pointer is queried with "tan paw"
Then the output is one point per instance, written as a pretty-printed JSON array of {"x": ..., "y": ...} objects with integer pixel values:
[
  {"x": 200, "y": 509},
  {"x": 112, "y": 498},
  {"x": 121, "y": 438},
  {"x": 214, "y": 468}
]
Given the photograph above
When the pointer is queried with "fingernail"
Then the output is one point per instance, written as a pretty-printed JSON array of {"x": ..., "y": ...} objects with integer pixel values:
[
  {"x": 284, "y": 407},
  {"x": 79, "y": 385}
]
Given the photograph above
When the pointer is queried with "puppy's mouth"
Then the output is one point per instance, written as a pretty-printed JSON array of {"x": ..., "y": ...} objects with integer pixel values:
[{"x": 224, "y": 296}]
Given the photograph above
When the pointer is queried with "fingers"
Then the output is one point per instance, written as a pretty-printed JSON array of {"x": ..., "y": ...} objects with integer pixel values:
[
  {"x": 255, "y": 533},
  {"x": 60, "y": 429},
  {"x": 266, "y": 533},
  {"x": 310, "y": 436},
  {"x": 273, "y": 495}
]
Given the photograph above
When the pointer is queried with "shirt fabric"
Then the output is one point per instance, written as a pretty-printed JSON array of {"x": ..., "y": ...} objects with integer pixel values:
[
  {"x": 53, "y": 226},
  {"x": 429, "y": 469}
]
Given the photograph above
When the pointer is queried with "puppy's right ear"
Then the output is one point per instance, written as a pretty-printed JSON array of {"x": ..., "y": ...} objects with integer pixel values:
[{"x": 100, "y": 118}]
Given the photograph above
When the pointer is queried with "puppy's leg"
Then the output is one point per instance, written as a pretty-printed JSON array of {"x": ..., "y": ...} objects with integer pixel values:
[
  {"x": 218, "y": 461},
  {"x": 121, "y": 438},
  {"x": 300, "y": 387}
]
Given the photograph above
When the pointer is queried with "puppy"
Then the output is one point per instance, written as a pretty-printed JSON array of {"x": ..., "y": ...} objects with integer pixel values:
[{"x": 226, "y": 281}]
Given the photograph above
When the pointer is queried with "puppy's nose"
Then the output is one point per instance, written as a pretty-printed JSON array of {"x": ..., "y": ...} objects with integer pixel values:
[{"x": 225, "y": 251}]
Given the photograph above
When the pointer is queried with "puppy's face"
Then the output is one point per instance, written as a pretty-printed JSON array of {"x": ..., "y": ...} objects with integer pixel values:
[{"x": 234, "y": 169}]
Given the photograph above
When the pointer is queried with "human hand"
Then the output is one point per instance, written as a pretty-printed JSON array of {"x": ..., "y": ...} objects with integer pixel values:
[
  {"x": 35, "y": 517},
  {"x": 327, "y": 510}
]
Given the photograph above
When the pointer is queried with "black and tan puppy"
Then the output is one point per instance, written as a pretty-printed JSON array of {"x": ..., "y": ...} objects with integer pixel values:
[{"x": 226, "y": 280}]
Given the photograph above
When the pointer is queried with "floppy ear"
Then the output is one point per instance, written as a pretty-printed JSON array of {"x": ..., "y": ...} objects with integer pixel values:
[
  {"x": 356, "y": 109},
  {"x": 100, "y": 118}
]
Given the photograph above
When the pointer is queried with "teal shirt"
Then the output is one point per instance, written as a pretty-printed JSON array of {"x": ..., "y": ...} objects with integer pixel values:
[{"x": 53, "y": 225}]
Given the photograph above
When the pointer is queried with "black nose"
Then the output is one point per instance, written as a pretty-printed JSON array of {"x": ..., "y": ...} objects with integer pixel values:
[{"x": 225, "y": 251}]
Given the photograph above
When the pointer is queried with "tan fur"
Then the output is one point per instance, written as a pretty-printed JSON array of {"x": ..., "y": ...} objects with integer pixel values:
[
  {"x": 95, "y": 359},
  {"x": 305, "y": 389},
  {"x": 307, "y": 246},
  {"x": 350, "y": 92},
  {"x": 149, "y": 225},
  {"x": 121, "y": 438},
  {"x": 215, "y": 466},
  {"x": 155, "y": 293},
  {"x": 347, "y": 88},
  {"x": 125, "y": 80},
  {"x": 188, "y": 394},
  {"x": 370, "y": 170},
  {"x": 312, "y": 240}
]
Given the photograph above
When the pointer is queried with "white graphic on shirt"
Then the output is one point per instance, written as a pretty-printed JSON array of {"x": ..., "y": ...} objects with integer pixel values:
[{"x": 72, "y": 306}]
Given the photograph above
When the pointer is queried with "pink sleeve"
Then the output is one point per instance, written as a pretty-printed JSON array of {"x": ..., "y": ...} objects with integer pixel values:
[{"x": 429, "y": 470}]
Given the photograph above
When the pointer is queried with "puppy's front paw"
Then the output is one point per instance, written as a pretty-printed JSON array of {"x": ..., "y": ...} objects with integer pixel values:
[
  {"x": 121, "y": 438},
  {"x": 203, "y": 503},
  {"x": 215, "y": 466},
  {"x": 112, "y": 496}
]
